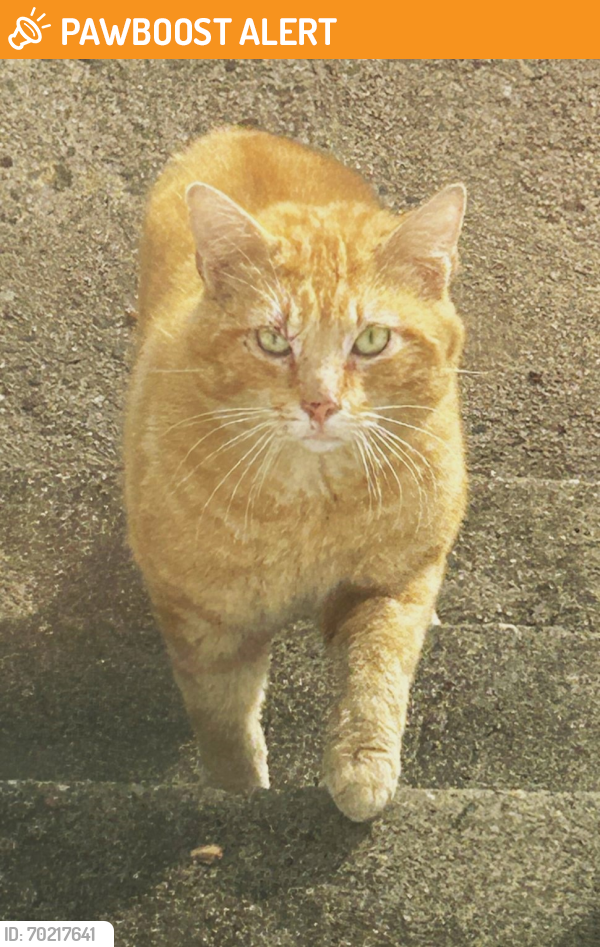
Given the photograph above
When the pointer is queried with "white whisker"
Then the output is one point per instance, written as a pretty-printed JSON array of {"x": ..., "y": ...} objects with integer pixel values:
[
  {"x": 389, "y": 407},
  {"x": 226, "y": 446},
  {"x": 395, "y": 437},
  {"x": 246, "y": 469},
  {"x": 217, "y": 414},
  {"x": 401, "y": 443},
  {"x": 372, "y": 485},
  {"x": 466, "y": 371},
  {"x": 361, "y": 453},
  {"x": 389, "y": 464},
  {"x": 227, "y": 475},
  {"x": 406, "y": 460},
  {"x": 272, "y": 454},
  {"x": 375, "y": 466},
  {"x": 197, "y": 444},
  {"x": 421, "y": 430},
  {"x": 176, "y": 371},
  {"x": 401, "y": 446}
]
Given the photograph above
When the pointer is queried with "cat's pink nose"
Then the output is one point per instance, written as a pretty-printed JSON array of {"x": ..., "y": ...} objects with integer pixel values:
[{"x": 319, "y": 411}]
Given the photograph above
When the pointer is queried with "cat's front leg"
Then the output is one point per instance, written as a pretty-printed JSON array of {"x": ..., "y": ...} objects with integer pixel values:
[
  {"x": 375, "y": 642},
  {"x": 222, "y": 675}
]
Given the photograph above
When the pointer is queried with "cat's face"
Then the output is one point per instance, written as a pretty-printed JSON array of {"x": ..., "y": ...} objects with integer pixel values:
[{"x": 332, "y": 327}]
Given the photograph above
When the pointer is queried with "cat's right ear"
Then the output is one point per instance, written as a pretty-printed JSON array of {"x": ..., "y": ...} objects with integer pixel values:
[
  {"x": 230, "y": 244},
  {"x": 421, "y": 252}
]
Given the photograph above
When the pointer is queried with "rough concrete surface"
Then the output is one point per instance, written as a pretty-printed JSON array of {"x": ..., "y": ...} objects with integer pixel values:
[
  {"x": 493, "y": 839},
  {"x": 455, "y": 868},
  {"x": 493, "y": 706}
]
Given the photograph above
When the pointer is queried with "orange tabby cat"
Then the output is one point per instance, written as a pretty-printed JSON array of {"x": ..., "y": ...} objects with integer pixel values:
[{"x": 293, "y": 442}]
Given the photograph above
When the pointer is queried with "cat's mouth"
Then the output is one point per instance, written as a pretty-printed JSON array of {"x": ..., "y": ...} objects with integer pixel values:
[{"x": 319, "y": 441}]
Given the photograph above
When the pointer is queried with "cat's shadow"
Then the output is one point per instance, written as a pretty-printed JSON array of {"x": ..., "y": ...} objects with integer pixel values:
[
  {"x": 116, "y": 845},
  {"x": 278, "y": 840},
  {"x": 87, "y": 691},
  {"x": 88, "y": 694}
]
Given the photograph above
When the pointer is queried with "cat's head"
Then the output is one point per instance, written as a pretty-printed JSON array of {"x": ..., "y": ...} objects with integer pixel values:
[{"x": 328, "y": 316}]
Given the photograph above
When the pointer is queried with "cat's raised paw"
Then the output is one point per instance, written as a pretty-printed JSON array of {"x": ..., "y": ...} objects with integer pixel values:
[{"x": 361, "y": 786}]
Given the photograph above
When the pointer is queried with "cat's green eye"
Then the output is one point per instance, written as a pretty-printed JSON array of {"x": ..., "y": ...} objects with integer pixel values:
[
  {"x": 273, "y": 342},
  {"x": 372, "y": 341}
]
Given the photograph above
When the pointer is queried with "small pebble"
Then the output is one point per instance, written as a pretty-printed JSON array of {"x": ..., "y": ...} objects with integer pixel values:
[{"x": 207, "y": 854}]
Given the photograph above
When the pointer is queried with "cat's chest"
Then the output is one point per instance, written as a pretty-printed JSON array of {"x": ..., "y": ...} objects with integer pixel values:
[
  {"x": 287, "y": 568},
  {"x": 276, "y": 559}
]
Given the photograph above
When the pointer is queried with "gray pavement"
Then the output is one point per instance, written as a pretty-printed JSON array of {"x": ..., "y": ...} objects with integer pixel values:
[
  {"x": 493, "y": 840},
  {"x": 449, "y": 868}
]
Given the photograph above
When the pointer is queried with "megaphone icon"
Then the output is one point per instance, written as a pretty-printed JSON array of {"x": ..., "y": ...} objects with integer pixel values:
[{"x": 27, "y": 31}]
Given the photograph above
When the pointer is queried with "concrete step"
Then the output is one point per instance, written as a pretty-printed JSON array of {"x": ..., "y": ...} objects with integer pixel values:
[
  {"x": 528, "y": 554},
  {"x": 459, "y": 868},
  {"x": 492, "y": 706}
]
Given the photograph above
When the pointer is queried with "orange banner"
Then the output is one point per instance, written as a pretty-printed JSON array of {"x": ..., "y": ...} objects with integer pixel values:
[{"x": 323, "y": 29}]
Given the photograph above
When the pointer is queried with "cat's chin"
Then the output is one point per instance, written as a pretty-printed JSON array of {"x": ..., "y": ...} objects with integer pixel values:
[{"x": 320, "y": 445}]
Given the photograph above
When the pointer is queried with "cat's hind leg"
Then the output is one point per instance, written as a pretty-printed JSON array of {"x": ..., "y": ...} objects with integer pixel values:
[
  {"x": 374, "y": 642},
  {"x": 222, "y": 675}
]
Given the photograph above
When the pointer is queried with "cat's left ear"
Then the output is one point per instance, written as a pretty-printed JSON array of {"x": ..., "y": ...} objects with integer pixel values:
[
  {"x": 422, "y": 252},
  {"x": 229, "y": 242}
]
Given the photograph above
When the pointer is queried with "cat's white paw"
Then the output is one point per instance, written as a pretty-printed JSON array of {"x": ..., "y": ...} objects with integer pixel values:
[{"x": 362, "y": 783}]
